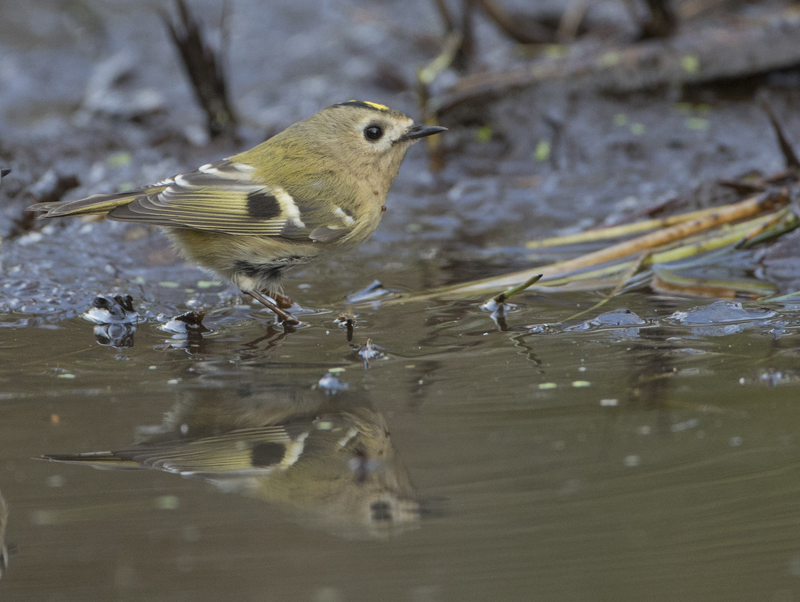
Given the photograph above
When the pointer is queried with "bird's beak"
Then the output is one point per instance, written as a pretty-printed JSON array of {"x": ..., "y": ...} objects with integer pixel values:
[{"x": 420, "y": 131}]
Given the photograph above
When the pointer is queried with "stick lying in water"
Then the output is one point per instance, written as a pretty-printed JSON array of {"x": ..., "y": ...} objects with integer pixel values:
[{"x": 655, "y": 247}]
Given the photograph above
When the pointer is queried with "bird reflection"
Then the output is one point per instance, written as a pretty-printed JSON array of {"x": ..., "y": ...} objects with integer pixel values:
[
  {"x": 3, "y": 548},
  {"x": 327, "y": 461}
]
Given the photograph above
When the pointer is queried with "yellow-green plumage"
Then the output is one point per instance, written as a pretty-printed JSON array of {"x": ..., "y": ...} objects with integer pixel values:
[{"x": 318, "y": 186}]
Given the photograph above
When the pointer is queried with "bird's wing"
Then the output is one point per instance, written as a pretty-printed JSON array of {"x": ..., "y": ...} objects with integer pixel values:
[
  {"x": 234, "y": 454},
  {"x": 225, "y": 197}
]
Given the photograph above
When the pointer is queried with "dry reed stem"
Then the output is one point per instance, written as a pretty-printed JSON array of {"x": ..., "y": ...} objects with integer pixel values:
[{"x": 561, "y": 271}]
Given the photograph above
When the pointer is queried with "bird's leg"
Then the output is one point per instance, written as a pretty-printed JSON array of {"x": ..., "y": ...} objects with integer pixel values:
[{"x": 284, "y": 316}]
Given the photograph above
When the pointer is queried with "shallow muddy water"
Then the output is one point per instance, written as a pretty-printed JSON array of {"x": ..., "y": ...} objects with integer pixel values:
[
  {"x": 647, "y": 449},
  {"x": 649, "y": 453}
]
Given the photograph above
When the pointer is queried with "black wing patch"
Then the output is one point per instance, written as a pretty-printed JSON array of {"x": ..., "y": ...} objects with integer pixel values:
[{"x": 262, "y": 205}]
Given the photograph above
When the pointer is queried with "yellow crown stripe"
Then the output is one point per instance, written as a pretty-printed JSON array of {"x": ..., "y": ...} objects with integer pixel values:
[
  {"x": 375, "y": 105},
  {"x": 366, "y": 105}
]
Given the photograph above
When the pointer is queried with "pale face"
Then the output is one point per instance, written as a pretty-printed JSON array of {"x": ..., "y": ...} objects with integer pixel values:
[
  {"x": 369, "y": 140},
  {"x": 378, "y": 133}
]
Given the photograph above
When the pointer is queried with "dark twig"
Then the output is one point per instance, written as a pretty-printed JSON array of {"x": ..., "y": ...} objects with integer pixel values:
[
  {"x": 694, "y": 57},
  {"x": 206, "y": 73},
  {"x": 571, "y": 21},
  {"x": 347, "y": 321},
  {"x": 662, "y": 23},
  {"x": 522, "y": 30},
  {"x": 466, "y": 49},
  {"x": 444, "y": 13},
  {"x": 789, "y": 155}
]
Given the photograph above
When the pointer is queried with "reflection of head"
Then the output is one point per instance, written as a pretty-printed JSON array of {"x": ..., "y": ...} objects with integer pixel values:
[
  {"x": 327, "y": 462},
  {"x": 348, "y": 480}
]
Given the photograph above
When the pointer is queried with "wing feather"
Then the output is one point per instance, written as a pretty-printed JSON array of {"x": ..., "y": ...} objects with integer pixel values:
[
  {"x": 236, "y": 453},
  {"x": 226, "y": 197}
]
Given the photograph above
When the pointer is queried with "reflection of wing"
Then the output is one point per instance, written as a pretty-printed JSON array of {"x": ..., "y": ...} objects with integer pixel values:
[
  {"x": 236, "y": 453},
  {"x": 221, "y": 197}
]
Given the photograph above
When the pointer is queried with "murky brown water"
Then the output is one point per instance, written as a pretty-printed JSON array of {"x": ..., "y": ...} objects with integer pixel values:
[
  {"x": 645, "y": 451},
  {"x": 654, "y": 460}
]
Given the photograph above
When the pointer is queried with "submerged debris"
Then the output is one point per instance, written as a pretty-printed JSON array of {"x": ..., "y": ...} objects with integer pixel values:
[
  {"x": 369, "y": 351},
  {"x": 107, "y": 309},
  {"x": 772, "y": 378},
  {"x": 190, "y": 321},
  {"x": 332, "y": 385},
  {"x": 347, "y": 321},
  {"x": 116, "y": 320},
  {"x": 187, "y": 330}
]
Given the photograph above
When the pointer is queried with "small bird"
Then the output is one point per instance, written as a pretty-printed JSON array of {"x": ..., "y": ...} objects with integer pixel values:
[{"x": 318, "y": 186}]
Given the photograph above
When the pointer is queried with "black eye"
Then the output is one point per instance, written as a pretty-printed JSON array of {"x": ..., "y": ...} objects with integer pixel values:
[{"x": 373, "y": 133}]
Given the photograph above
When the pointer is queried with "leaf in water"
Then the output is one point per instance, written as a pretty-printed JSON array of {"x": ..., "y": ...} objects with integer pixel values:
[
  {"x": 721, "y": 312},
  {"x": 721, "y": 318},
  {"x": 372, "y": 291}
]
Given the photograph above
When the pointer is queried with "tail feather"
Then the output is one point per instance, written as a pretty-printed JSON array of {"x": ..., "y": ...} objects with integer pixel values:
[
  {"x": 98, "y": 203},
  {"x": 95, "y": 459}
]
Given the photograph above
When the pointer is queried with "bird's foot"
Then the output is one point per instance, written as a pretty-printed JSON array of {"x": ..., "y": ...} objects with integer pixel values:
[{"x": 284, "y": 317}]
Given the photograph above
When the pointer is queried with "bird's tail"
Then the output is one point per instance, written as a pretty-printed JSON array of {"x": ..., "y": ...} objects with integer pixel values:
[
  {"x": 98, "y": 203},
  {"x": 101, "y": 460}
]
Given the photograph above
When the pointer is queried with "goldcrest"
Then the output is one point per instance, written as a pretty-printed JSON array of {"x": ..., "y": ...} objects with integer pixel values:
[{"x": 320, "y": 185}]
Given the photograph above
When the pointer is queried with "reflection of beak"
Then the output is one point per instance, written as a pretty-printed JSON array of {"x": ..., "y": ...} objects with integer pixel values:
[{"x": 420, "y": 131}]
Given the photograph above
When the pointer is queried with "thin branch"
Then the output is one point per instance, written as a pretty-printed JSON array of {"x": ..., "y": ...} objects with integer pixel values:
[
  {"x": 204, "y": 70},
  {"x": 789, "y": 155}
]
